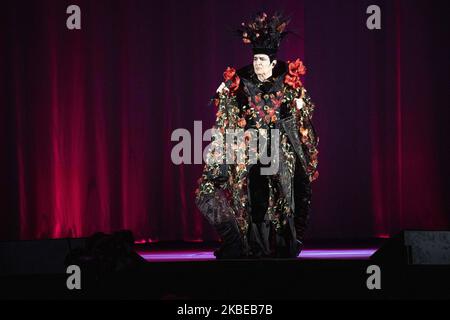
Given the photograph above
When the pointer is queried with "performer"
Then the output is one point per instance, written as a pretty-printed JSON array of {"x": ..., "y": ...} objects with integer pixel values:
[{"x": 258, "y": 214}]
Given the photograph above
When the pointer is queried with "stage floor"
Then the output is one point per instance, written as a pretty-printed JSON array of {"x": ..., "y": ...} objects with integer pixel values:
[
  {"x": 168, "y": 255},
  {"x": 189, "y": 271}
]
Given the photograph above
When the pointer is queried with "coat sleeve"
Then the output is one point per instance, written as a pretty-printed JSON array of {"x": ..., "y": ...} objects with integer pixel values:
[
  {"x": 309, "y": 138},
  {"x": 211, "y": 194},
  {"x": 216, "y": 171}
]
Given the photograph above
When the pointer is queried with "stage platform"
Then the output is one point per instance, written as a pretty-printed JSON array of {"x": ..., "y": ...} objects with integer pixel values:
[
  {"x": 168, "y": 255},
  {"x": 190, "y": 272}
]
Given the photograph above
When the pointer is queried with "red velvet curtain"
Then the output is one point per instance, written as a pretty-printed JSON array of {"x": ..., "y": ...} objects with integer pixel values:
[
  {"x": 87, "y": 115},
  {"x": 382, "y": 113}
]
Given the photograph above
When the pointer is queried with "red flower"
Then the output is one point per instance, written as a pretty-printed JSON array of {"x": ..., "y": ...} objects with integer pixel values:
[
  {"x": 314, "y": 176},
  {"x": 313, "y": 155},
  {"x": 276, "y": 102},
  {"x": 294, "y": 82},
  {"x": 232, "y": 80},
  {"x": 235, "y": 84},
  {"x": 229, "y": 73},
  {"x": 296, "y": 68}
]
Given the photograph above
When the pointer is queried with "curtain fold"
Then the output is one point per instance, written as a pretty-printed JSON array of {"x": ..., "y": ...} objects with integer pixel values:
[{"x": 86, "y": 116}]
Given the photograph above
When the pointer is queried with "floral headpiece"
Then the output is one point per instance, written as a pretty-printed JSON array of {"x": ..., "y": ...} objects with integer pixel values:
[{"x": 264, "y": 33}]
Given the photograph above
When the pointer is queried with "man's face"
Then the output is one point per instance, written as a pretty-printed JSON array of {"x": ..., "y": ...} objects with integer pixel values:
[{"x": 262, "y": 65}]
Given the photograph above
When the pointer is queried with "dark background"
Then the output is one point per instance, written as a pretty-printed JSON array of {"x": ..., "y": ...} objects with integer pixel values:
[{"x": 86, "y": 116}]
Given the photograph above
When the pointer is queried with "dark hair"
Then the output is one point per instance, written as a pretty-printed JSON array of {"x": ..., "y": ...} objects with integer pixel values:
[{"x": 272, "y": 56}]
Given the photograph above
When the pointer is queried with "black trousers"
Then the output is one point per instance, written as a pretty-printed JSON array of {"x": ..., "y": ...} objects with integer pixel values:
[
  {"x": 259, "y": 197},
  {"x": 263, "y": 242}
]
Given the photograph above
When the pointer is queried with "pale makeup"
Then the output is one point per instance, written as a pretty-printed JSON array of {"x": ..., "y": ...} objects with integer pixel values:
[{"x": 262, "y": 66}]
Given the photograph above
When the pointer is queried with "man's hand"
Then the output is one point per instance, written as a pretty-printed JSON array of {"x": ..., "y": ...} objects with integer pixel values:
[
  {"x": 222, "y": 88},
  {"x": 299, "y": 103}
]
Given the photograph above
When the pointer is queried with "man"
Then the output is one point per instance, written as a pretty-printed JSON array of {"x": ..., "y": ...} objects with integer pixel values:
[{"x": 256, "y": 211}]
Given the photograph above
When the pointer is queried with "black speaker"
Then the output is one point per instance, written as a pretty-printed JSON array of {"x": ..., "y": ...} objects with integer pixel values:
[
  {"x": 412, "y": 247},
  {"x": 36, "y": 256},
  {"x": 98, "y": 254}
]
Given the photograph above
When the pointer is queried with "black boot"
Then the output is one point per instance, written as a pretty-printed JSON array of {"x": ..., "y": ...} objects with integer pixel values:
[
  {"x": 259, "y": 239},
  {"x": 301, "y": 223},
  {"x": 232, "y": 246},
  {"x": 287, "y": 245}
]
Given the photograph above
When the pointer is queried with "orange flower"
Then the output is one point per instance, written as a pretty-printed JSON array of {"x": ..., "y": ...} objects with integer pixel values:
[
  {"x": 304, "y": 131},
  {"x": 281, "y": 27},
  {"x": 274, "y": 118},
  {"x": 242, "y": 122}
]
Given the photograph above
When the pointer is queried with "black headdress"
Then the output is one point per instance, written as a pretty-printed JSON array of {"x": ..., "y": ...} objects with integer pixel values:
[{"x": 264, "y": 33}]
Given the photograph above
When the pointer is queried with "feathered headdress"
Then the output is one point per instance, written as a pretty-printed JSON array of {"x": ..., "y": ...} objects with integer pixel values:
[{"x": 264, "y": 33}]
